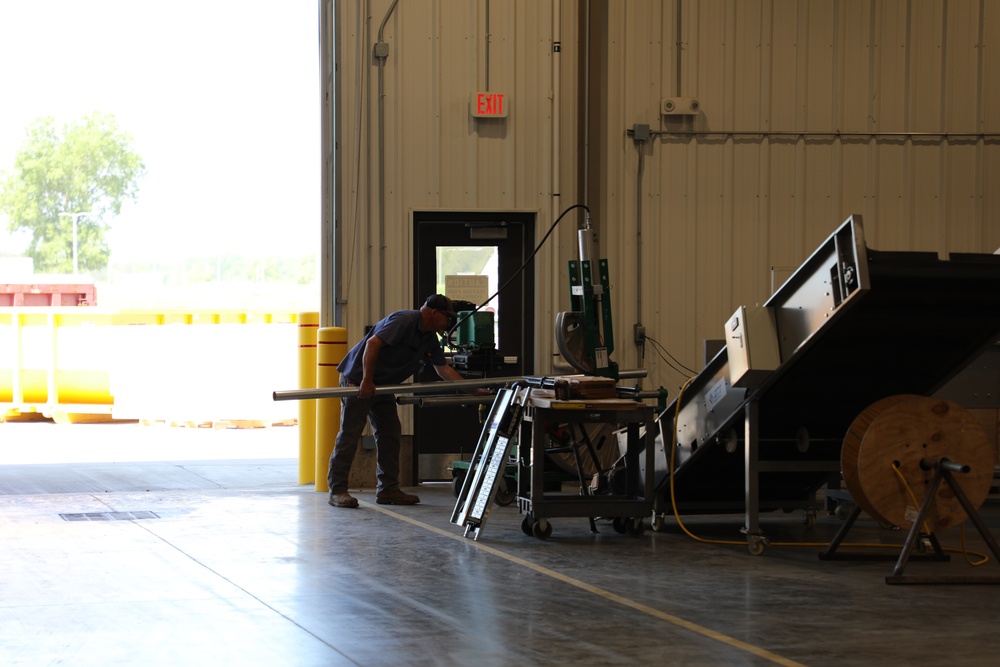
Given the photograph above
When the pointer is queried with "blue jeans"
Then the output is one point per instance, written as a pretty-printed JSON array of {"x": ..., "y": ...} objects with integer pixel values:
[{"x": 380, "y": 410}]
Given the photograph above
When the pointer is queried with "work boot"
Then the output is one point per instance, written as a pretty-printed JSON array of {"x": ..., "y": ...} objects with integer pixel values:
[
  {"x": 396, "y": 497},
  {"x": 343, "y": 500}
]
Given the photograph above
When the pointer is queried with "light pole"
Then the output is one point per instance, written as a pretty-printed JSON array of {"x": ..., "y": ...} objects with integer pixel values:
[{"x": 75, "y": 216}]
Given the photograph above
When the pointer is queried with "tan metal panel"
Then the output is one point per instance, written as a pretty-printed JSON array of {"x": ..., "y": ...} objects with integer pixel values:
[
  {"x": 413, "y": 78},
  {"x": 455, "y": 37},
  {"x": 960, "y": 224},
  {"x": 961, "y": 66},
  {"x": 619, "y": 165},
  {"x": 749, "y": 239},
  {"x": 819, "y": 66},
  {"x": 852, "y": 74},
  {"x": 491, "y": 174},
  {"x": 532, "y": 124},
  {"x": 891, "y": 68},
  {"x": 925, "y": 67},
  {"x": 890, "y": 196},
  {"x": 711, "y": 48},
  {"x": 989, "y": 102},
  {"x": 853, "y": 172},
  {"x": 990, "y": 198},
  {"x": 784, "y": 72},
  {"x": 353, "y": 120},
  {"x": 928, "y": 210},
  {"x": 785, "y": 218},
  {"x": 633, "y": 253},
  {"x": 712, "y": 246},
  {"x": 745, "y": 94},
  {"x": 819, "y": 184}
]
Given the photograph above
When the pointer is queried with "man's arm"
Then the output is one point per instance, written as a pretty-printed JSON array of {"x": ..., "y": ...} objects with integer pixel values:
[
  {"x": 446, "y": 372},
  {"x": 368, "y": 360}
]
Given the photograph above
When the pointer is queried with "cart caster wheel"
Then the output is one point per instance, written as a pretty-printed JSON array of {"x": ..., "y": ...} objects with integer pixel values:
[
  {"x": 620, "y": 524},
  {"x": 658, "y": 525},
  {"x": 526, "y": 525},
  {"x": 636, "y": 527},
  {"x": 809, "y": 520},
  {"x": 842, "y": 511},
  {"x": 456, "y": 483},
  {"x": 541, "y": 529},
  {"x": 506, "y": 492},
  {"x": 756, "y": 545}
]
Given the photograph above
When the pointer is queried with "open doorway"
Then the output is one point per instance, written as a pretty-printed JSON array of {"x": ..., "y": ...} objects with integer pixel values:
[{"x": 224, "y": 242}]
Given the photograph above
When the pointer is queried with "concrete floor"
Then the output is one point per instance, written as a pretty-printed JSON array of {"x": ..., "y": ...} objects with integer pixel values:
[{"x": 230, "y": 561}]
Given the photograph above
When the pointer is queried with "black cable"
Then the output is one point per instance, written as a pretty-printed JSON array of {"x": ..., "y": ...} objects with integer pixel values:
[
  {"x": 668, "y": 363},
  {"x": 657, "y": 347},
  {"x": 562, "y": 215},
  {"x": 673, "y": 363}
]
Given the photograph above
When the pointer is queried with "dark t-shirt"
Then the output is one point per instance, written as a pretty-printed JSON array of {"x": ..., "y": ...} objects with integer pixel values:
[{"x": 406, "y": 349}]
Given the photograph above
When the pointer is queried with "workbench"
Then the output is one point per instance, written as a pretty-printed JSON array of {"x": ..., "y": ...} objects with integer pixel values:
[{"x": 628, "y": 507}]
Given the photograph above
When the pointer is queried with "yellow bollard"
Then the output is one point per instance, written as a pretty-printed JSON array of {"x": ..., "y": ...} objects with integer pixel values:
[
  {"x": 331, "y": 350},
  {"x": 308, "y": 326}
]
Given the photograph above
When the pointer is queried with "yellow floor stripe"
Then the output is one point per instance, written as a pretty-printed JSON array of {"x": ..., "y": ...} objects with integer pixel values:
[{"x": 608, "y": 595}]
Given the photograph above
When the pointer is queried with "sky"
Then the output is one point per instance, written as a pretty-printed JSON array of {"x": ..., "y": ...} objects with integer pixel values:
[{"x": 221, "y": 98}]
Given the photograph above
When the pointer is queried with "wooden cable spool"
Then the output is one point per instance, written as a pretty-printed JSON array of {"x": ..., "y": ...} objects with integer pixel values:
[{"x": 903, "y": 431}]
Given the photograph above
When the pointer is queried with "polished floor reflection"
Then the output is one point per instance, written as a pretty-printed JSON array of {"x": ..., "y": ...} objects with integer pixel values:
[{"x": 207, "y": 562}]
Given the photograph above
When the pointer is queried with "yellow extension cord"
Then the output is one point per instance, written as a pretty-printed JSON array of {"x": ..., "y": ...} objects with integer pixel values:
[{"x": 673, "y": 451}]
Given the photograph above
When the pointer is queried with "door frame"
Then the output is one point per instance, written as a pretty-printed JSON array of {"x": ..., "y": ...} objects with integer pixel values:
[
  {"x": 452, "y": 435},
  {"x": 423, "y": 273}
]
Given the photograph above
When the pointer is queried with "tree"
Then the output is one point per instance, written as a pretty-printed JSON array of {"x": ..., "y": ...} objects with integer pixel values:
[{"x": 88, "y": 168}]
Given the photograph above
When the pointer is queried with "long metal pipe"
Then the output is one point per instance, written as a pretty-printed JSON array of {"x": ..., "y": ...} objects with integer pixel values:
[
  {"x": 408, "y": 388},
  {"x": 416, "y": 388},
  {"x": 443, "y": 401}
]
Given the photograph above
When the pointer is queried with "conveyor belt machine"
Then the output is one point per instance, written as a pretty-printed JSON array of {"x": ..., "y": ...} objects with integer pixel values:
[{"x": 761, "y": 427}]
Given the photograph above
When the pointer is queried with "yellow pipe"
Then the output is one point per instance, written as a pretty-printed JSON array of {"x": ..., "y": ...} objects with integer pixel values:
[
  {"x": 331, "y": 350},
  {"x": 308, "y": 326}
]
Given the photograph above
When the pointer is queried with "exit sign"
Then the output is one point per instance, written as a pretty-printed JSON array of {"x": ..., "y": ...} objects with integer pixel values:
[{"x": 489, "y": 105}]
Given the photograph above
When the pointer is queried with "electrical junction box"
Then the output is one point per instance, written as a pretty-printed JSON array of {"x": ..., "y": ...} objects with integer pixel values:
[
  {"x": 680, "y": 106},
  {"x": 752, "y": 346}
]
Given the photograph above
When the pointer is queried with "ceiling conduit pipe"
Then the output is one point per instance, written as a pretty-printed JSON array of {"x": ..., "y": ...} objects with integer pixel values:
[
  {"x": 364, "y": 125},
  {"x": 487, "y": 58},
  {"x": 555, "y": 175},
  {"x": 381, "y": 54}
]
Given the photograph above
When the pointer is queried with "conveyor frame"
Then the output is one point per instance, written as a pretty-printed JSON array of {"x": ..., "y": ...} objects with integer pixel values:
[{"x": 854, "y": 325}]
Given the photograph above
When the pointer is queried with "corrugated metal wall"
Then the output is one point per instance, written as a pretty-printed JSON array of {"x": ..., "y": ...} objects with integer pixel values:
[
  {"x": 810, "y": 111},
  {"x": 887, "y": 109},
  {"x": 436, "y": 156}
]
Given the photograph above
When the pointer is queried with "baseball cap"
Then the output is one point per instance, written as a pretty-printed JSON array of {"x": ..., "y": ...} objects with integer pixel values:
[{"x": 442, "y": 303}]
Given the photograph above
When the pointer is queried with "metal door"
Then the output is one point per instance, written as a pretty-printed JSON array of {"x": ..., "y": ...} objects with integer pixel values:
[{"x": 493, "y": 243}]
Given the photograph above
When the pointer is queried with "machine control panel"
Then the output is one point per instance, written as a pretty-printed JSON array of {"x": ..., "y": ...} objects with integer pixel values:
[{"x": 751, "y": 345}]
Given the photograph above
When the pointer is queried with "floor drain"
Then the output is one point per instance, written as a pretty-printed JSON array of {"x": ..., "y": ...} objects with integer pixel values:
[{"x": 108, "y": 516}]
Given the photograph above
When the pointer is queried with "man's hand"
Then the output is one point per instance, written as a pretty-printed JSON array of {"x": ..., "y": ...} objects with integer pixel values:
[
  {"x": 367, "y": 388},
  {"x": 368, "y": 362}
]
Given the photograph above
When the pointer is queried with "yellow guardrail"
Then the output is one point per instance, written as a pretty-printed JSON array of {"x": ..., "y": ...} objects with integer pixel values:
[{"x": 72, "y": 363}]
